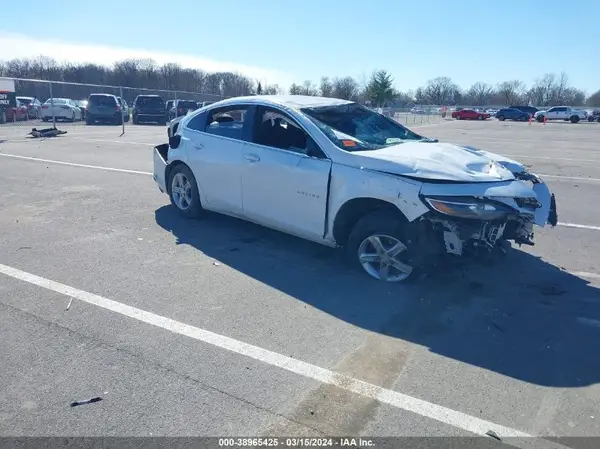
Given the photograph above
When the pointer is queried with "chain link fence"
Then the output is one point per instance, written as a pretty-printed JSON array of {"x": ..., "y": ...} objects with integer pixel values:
[{"x": 45, "y": 104}]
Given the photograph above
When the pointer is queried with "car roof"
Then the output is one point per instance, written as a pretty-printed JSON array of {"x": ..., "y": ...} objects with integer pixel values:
[
  {"x": 102, "y": 95},
  {"x": 291, "y": 101}
]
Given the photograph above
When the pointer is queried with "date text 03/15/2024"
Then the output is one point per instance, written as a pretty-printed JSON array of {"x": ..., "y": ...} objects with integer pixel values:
[{"x": 295, "y": 442}]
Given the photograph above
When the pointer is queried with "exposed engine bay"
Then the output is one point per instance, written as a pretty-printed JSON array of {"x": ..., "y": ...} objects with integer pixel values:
[{"x": 473, "y": 225}]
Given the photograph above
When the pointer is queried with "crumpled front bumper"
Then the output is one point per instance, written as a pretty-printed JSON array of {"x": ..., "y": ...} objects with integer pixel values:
[{"x": 461, "y": 237}]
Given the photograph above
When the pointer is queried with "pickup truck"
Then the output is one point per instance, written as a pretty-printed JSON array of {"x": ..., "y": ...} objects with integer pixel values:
[
  {"x": 337, "y": 173},
  {"x": 564, "y": 113}
]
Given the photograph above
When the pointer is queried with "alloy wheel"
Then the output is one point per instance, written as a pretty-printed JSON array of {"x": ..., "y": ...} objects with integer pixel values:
[
  {"x": 181, "y": 190},
  {"x": 381, "y": 257}
]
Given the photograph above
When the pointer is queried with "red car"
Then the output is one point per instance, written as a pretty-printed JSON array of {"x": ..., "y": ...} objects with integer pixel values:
[
  {"x": 14, "y": 114},
  {"x": 470, "y": 114}
]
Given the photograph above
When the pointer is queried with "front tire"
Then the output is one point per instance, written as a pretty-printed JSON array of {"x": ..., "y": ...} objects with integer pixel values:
[
  {"x": 378, "y": 246},
  {"x": 183, "y": 192},
  {"x": 575, "y": 119},
  {"x": 501, "y": 118}
]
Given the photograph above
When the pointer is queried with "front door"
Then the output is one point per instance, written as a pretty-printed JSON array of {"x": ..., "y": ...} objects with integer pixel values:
[{"x": 285, "y": 176}]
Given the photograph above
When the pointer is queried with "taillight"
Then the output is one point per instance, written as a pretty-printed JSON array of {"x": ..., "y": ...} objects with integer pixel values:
[
  {"x": 44, "y": 107},
  {"x": 174, "y": 141},
  {"x": 118, "y": 108}
]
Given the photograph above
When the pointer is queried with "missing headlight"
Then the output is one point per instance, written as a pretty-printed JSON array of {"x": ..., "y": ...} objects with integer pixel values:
[{"x": 529, "y": 203}]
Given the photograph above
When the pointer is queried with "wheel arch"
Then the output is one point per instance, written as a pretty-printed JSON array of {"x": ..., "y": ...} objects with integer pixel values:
[{"x": 353, "y": 210}]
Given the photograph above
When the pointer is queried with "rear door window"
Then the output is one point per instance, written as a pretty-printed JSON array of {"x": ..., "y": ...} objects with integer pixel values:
[{"x": 227, "y": 122}]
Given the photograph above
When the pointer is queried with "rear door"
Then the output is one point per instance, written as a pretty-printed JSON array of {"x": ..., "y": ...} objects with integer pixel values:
[
  {"x": 282, "y": 185},
  {"x": 214, "y": 142}
]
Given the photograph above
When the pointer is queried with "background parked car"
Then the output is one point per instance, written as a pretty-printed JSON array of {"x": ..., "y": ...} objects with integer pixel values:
[
  {"x": 201, "y": 104},
  {"x": 149, "y": 108},
  {"x": 82, "y": 105},
  {"x": 34, "y": 106},
  {"x": 564, "y": 113},
  {"x": 594, "y": 116},
  {"x": 103, "y": 108},
  {"x": 512, "y": 114},
  {"x": 527, "y": 109},
  {"x": 470, "y": 114},
  {"x": 124, "y": 108},
  {"x": 15, "y": 114},
  {"x": 60, "y": 109},
  {"x": 180, "y": 107}
]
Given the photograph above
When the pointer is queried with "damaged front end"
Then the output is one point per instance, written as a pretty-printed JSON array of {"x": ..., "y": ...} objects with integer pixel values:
[{"x": 479, "y": 217}]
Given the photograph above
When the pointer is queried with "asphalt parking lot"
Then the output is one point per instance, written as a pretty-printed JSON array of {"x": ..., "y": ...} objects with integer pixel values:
[{"x": 223, "y": 328}]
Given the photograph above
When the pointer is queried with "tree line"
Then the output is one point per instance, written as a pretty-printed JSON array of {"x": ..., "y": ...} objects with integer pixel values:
[{"x": 378, "y": 90}]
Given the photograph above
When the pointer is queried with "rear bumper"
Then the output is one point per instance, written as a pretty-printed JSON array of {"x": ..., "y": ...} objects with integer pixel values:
[{"x": 160, "y": 166}]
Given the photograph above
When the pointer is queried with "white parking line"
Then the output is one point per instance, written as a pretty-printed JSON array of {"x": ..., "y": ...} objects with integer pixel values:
[
  {"x": 585, "y": 274},
  {"x": 589, "y": 322},
  {"x": 575, "y": 178},
  {"x": 72, "y": 164},
  {"x": 115, "y": 141},
  {"x": 395, "y": 399},
  {"x": 523, "y": 156},
  {"x": 579, "y": 226}
]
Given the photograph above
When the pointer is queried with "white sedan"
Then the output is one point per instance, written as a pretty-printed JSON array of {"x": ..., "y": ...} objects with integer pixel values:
[
  {"x": 334, "y": 172},
  {"x": 61, "y": 109}
]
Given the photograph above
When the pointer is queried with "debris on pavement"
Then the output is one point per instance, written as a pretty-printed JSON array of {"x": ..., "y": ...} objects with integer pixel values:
[
  {"x": 86, "y": 401},
  {"x": 493, "y": 434},
  {"x": 69, "y": 305},
  {"x": 215, "y": 263},
  {"x": 48, "y": 132}
]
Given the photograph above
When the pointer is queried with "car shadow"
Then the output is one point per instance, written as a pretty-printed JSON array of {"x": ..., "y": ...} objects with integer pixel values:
[{"x": 520, "y": 316}]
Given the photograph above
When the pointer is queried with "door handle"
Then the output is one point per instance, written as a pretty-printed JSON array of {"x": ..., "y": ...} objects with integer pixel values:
[
  {"x": 198, "y": 146},
  {"x": 252, "y": 157}
]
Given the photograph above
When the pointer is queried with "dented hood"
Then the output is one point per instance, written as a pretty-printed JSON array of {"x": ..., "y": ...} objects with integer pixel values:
[{"x": 441, "y": 161}]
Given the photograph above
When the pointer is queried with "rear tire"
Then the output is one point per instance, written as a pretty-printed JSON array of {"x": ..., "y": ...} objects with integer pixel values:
[
  {"x": 369, "y": 246},
  {"x": 183, "y": 192},
  {"x": 540, "y": 118},
  {"x": 574, "y": 119},
  {"x": 501, "y": 118}
]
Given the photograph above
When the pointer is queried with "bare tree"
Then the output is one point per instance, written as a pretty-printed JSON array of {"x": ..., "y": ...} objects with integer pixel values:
[
  {"x": 511, "y": 92},
  {"x": 345, "y": 88},
  {"x": 594, "y": 99},
  {"x": 440, "y": 90},
  {"x": 326, "y": 88},
  {"x": 480, "y": 94},
  {"x": 308, "y": 88}
]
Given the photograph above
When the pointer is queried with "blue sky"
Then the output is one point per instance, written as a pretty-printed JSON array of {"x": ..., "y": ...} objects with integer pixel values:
[{"x": 292, "y": 41}]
